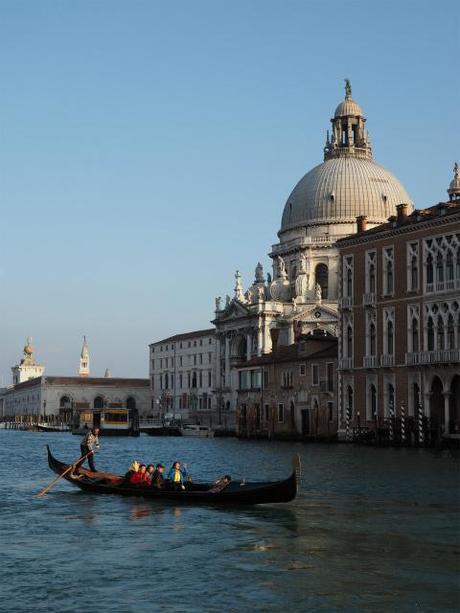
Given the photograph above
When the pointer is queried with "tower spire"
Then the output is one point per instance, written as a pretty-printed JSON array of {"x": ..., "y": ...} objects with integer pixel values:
[{"x": 84, "y": 360}]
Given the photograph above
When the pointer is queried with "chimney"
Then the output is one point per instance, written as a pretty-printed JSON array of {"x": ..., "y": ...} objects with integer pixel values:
[
  {"x": 274, "y": 333},
  {"x": 361, "y": 223},
  {"x": 402, "y": 213}
]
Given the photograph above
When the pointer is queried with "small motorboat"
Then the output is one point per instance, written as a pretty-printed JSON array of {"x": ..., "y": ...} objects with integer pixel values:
[
  {"x": 195, "y": 430},
  {"x": 234, "y": 492}
]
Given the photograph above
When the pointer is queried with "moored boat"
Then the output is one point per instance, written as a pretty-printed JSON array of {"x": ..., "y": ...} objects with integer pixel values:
[
  {"x": 196, "y": 430},
  {"x": 237, "y": 492}
]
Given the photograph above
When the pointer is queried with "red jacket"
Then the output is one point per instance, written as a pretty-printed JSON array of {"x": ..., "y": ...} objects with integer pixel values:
[{"x": 136, "y": 478}]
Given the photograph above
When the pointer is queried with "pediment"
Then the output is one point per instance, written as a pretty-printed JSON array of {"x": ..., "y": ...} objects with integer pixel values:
[
  {"x": 235, "y": 310},
  {"x": 315, "y": 313}
]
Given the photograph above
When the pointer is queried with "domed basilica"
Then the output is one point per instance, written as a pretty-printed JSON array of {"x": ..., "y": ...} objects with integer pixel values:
[{"x": 302, "y": 292}]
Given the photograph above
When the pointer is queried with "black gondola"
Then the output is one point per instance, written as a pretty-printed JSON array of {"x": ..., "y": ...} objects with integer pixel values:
[{"x": 236, "y": 492}]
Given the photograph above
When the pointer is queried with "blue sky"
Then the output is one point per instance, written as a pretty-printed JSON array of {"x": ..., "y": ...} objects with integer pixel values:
[{"x": 147, "y": 150}]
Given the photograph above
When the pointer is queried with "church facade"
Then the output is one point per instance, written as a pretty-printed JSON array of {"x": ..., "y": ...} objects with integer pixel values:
[{"x": 300, "y": 293}]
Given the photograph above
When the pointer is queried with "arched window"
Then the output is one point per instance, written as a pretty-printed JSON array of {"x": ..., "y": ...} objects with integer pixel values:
[
  {"x": 322, "y": 278},
  {"x": 373, "y": 400},
  {"x": 65, "y": 403},
  {"x": 349, "y": 282},
  {"x": 413, "y": 272},
  {"x": 450, "y": 333},
  {"x": 440, "y": 331},
  {"x": 390, "y": 337},
  {"x": 372, "y": 347},
  {"x": 389, "y": 277},
  {"x": 439, "y": 268},
  {"x": 98, "y": 402},
  {"x": 430, "y": 334},
  {"x": 130, "y": 403},
  {"x": 450, "y": 266},
  {"x": 166, "y": 381},
  {"x": 429, "y": 268},
  {"x": 372, "y": 277},
  {"x": 349, "y": 342},
  {"x": 415, "y": 345}
]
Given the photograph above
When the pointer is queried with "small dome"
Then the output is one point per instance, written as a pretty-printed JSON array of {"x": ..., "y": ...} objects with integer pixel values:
[
  {"x": 348, "y": 107},
  {"x": 341, "y": 189}
]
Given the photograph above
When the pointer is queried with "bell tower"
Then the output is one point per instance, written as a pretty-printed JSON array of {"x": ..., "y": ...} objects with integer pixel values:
[{"x": 84, "y": 360}]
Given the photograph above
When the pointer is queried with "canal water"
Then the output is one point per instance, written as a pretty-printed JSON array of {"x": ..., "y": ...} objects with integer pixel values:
[{"x": 372, "y": 530}]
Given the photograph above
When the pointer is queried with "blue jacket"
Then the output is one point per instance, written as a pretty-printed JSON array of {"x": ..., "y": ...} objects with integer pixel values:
[{"x": 183, "y": 474}]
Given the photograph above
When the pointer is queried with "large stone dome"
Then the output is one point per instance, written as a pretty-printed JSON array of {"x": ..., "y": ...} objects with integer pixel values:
[
  {"x": 341, "y": 189},
  {"x": 348, "y": 183}
]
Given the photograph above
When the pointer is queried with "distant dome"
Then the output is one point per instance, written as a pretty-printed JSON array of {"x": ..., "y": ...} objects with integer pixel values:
[
  {"x": 341, "y": 189},
  {"x": 348, "y": 107},
  {"x": 348, "y": 183}
]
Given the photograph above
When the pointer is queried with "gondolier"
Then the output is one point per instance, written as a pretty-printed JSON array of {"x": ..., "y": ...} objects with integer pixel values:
[{"x": 89, "y": 444}]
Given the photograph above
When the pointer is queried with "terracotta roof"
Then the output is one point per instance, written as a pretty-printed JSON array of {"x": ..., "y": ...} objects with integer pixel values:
[
  {"x": 442, "y": 209},
  {"x": 185, "y": 336}
]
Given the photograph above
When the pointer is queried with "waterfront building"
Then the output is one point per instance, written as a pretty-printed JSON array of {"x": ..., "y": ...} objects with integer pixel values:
[
  {"x": 60, "y": 397},
  {"x": 399, "y": 350},
  {"x": 301, "y": 292},
  {"x": 182, "y": 376},
  {"x": 291, "y": 392}
]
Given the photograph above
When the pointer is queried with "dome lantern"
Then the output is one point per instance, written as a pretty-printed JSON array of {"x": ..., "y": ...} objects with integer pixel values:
[{"x": 349, "y": 137}]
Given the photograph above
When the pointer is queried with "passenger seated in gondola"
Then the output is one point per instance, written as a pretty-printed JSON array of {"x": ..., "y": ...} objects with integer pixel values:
[
  {"x": 132, "y": 469},
  {"x": 177, "y": 476},
  {"x": 139, "y": 478},
  {"x": 149, "y": 472},
  {"x": 158, "y": 481}
]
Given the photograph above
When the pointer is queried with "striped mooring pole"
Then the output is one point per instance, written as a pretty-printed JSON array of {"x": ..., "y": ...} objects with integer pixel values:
[
  {"x": 403, "y": 423},
  {"x": 421, "y": 436},
  {"x": 392, "y": 416},
  {"x": 347, "y": 431}
]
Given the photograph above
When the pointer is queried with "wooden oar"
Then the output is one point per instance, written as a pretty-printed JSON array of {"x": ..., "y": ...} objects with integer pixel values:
[{"x": 48, "y": 487}]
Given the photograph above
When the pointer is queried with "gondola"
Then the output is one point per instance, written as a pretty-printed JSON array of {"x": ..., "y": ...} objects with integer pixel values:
[{"x": 235, "y": 493}]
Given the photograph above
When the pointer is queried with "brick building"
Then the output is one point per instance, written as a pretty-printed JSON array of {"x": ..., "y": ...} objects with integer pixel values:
[
  {"x": 291, "y": 392},
  {"x": 399, "y": 346}
]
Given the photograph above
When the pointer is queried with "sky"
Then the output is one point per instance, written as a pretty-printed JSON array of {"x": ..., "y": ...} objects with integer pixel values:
[{"x": 147, "y": 150}]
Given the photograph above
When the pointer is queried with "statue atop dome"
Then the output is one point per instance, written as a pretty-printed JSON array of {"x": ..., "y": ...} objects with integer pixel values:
[
  {"x": 347, "y": 89},
  {"x": 259, "y": 273},
  {"x": 454, "y": 187}
]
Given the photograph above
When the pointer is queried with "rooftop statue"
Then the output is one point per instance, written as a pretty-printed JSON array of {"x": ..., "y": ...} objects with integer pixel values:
[
  {"x": 281, "y": 268},
  {"x": 347, "y": 88}
]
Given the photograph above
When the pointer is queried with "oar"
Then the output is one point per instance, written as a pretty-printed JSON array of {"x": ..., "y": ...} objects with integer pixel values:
[{"x": 48, "y": 487}]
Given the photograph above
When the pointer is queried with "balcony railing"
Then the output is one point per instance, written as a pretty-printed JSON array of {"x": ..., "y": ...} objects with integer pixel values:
[
  {"x": 370, "y": 361},
  {"x": 387, "y": 359},
  {"x": 433, "y": 357},
  {"x": 369, "y": 299},
  {"x": 346, "y": 302},
  {"x": 345, "y": 363}
]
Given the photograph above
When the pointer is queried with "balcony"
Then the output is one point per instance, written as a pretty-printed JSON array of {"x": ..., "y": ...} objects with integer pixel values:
[
  {"x": 387, "y": 360},
  {"x": 369, "y": 299},
  {"x": 345, "y": 363},
  {"x": 441, "y": 356},
  {"x": 370, "y": 361},
  {"x": 346, "y": 302}
]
